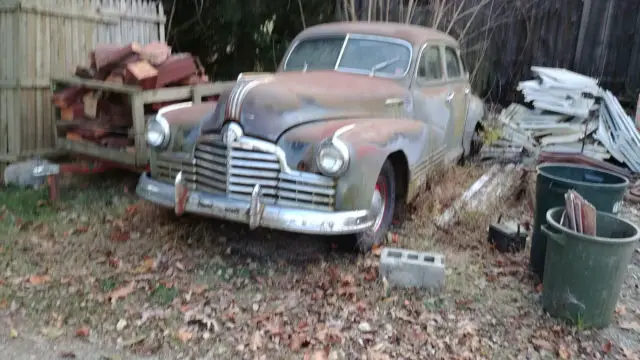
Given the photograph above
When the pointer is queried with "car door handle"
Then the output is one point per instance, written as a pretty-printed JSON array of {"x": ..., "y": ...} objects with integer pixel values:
[{"x": 450, "y": 96}]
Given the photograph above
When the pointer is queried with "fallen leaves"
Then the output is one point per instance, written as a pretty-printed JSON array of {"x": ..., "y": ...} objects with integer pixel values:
[
  {"x": 119, "y": 233},
  {"x": 542, "y": 345},
  {"x": 563, "y": 352},
  {"x": 38, "y": 279},
  {"x": 184, "y": 335},
  {"x": 122, "y": 323},
  {"x": 51, "y": 332},
  {"x": 365, "y": 327},
  {"x": 83, "y": 331},
  {"x": 121, "y": 292},
  {"x": 148, "y": 265},
  {"x": 630, "y": 325},
  {"x": 256, "y": 341}
]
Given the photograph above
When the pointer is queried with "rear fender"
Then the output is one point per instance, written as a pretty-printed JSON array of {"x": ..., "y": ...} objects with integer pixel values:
[{"x": 475, "y": 113}]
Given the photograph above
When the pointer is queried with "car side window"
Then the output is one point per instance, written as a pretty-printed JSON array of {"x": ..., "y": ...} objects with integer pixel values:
[
  {"x": 430, "y": 67},
  {"x": 452, "y": 63}
]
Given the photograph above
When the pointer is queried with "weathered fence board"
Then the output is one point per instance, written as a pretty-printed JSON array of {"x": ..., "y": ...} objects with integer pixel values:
[
  {"x": 49, "y": 38},
  {"x": 594, "y": 37}
]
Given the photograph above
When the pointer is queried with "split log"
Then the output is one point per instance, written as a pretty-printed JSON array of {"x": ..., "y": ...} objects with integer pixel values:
[
  {"x": 85, "y": 72},
  {"x": 74, "y": 136},
  {"x": 116, "y": 142},
  {"x": 116, "y": 115},
  {"x": 68, "y": 96},
  {"x": 155, "y": 53},
  {"x": 177, "y": 68},
  {"x": 92, "y": 130},
  {"x": 141, "y": 73},
  {"x": 90, "y": 102},
  {"x": 108, "y": 55},
  {"x": 116, "y": 77},
  {"x": 70, "y": 113},
  {"x": 192, "y": 80}
]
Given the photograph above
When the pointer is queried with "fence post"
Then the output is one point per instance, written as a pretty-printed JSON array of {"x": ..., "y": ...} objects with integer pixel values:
[{"x": 584, "y": 24}]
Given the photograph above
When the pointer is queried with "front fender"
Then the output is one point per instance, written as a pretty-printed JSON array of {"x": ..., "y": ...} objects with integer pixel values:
[
  {"x": 370, "y": 142},
  {"x": 184, "y": 123}
]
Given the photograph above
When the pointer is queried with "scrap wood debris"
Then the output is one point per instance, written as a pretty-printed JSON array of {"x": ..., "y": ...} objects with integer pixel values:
[
  {"x": 105, "y": 117},
  {"x": 571, "y": 114},
  {"x": 579, "y": 214}
]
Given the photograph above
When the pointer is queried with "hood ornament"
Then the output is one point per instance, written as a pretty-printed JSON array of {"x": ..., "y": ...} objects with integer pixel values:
[{"x": 231, "y": 132}]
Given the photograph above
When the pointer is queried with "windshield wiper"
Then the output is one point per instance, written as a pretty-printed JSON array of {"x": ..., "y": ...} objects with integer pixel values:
[{"x": 382, "y": 65}]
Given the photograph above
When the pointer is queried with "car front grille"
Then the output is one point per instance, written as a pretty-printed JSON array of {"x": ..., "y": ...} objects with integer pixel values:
[{"x": 233, "y": 171}]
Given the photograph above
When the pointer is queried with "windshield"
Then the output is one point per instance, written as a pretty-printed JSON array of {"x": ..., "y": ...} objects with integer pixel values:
[{"x": 390, "y": 58}]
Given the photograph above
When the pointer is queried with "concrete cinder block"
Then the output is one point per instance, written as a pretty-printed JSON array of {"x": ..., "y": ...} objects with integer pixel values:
[{"x": 407, "y": 268}]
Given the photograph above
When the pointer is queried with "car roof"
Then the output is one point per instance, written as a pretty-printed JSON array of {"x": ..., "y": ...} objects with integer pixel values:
[{"x": 417, "y": 35}]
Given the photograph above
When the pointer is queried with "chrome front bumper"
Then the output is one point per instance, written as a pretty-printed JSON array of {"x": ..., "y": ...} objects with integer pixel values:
[{"x": 253, "y": 213}]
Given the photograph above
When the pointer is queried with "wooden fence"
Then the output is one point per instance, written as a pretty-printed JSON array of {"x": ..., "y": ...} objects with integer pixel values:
[
  {"x": 40, "y": 39},
  {"x": 504, "y": 38}
]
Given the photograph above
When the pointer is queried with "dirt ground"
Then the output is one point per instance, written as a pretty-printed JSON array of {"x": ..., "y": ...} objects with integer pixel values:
[{"x": 104, "y": 274}]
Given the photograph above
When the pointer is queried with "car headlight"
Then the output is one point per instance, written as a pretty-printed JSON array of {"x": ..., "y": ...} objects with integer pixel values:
[
  {"x": 158, "y": 132},
  {"x": 332, "y": 157}
]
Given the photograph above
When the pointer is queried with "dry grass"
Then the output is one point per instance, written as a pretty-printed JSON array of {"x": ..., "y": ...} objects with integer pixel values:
[{"x": 218, "y": 268}]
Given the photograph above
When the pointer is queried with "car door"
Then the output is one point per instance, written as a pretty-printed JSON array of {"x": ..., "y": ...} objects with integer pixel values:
[
  {"x": 429, "y": 91},
  {"x": 457, "y": 98}
]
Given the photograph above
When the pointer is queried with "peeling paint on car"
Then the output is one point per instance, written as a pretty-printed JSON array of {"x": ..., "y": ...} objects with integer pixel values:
[{"x": 373, "y": 115}]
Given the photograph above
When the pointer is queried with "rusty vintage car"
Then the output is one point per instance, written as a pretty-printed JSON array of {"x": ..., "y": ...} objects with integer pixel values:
[{"x": 348, "y": 127}]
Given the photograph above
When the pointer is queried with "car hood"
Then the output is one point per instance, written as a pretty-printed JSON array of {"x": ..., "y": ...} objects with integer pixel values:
[{"x": 284, "y": 100}]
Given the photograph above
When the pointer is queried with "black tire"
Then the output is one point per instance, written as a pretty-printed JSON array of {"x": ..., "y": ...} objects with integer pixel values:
[
  {"x": 366, "y": 240},
  {"x": 474, "y": 147}
]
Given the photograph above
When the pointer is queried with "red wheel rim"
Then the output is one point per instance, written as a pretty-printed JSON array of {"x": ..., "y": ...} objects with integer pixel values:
[{"x": 380, "y": 192}]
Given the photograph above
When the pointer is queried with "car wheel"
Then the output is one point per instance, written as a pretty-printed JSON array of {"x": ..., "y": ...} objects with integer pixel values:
[
  {"x": 383, "y": 205},
  {"x": 475, "y": 145}
]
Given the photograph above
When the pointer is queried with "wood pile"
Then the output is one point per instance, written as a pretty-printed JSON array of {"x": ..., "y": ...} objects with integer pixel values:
[{"x": 106, "y": 117}]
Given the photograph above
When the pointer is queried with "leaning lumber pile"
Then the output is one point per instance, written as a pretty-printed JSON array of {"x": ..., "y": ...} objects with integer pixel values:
[
  {"x": 105, "y": 117},
  {"x": 569, "y": 114}
]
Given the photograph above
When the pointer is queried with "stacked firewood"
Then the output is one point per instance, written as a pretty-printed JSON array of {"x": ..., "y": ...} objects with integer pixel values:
[{"x": 105, "y": 117}]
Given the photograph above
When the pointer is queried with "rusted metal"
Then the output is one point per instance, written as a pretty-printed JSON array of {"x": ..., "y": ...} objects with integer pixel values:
[{"x": 257, "y": 157}]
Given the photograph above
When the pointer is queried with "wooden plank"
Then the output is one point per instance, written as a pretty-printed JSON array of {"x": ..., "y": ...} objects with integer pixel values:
[
  {"x": 46, "y": 152},
  {"x": 185, "y": 92},
  {"x": 33, "y": 123},
  {"x": 139, "y": 127},
  {"x": 46, "y": 39},
  {"x": 95, "y": 84},
  {"x": 115, "y": 13},
  {"x": 18, "y": 43},
  {"x": 4, "y": 120},
  {"x": 68, "y": 13},
  {"x": 9, "y": 5},
  {"x": 97, "y": 151},
  {"x": 160, "y": 10}
]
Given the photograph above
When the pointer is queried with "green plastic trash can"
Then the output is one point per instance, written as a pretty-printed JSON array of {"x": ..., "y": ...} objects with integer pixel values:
[
  {"x": 603, "y": 189},
  {"x": 584, "y": 273}
]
